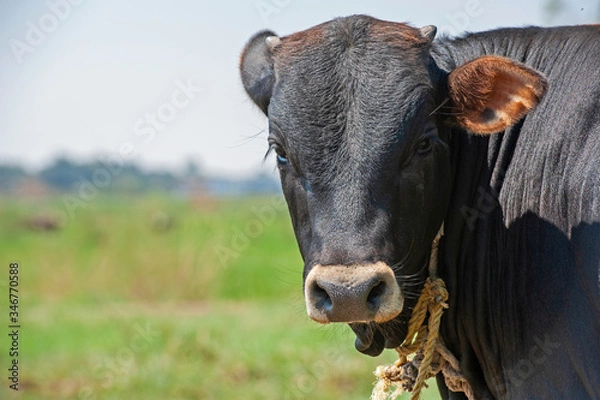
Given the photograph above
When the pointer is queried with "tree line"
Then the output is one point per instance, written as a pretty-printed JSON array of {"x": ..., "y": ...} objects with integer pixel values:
[{"x": 64, "y": 175}]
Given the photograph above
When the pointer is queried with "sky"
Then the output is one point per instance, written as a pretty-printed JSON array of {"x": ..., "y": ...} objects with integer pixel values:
[{"x": 156, "y": 82}]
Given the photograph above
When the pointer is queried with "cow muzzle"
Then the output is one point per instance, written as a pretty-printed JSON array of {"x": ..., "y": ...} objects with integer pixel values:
[{"x": 355, "y": 293}]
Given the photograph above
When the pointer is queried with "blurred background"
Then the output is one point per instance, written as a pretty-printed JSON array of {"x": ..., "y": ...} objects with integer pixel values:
[{"x": 156, "y": 257}]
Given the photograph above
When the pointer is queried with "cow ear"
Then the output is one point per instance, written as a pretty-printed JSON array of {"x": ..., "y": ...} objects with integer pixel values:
[
  {"x": 256, "y": 68},
  {"x": 492, "y": 93}
]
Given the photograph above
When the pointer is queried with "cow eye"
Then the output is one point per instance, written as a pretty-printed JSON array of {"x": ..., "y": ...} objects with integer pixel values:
[
  {"x": 281, "y": 155},
  {"x": 424, "y": 145},
  {"x": 281, "y": 159}
]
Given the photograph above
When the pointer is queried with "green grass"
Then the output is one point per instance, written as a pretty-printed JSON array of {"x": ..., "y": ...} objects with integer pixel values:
[
  {"x": 156, "y": 298},
  {"x": 112, "y": 249}
]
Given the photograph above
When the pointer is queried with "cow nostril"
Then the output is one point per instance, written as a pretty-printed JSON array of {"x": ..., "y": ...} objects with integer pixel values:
[
  {"x": 321, "y": 298},
  {"x": 375, "y": 295}
]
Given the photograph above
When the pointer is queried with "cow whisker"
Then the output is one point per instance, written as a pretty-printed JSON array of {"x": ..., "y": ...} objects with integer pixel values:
[
  {"x": 400, "y": 264},
  {"x": 451, "y": 114},
  {"x": 447, "y": 99}
]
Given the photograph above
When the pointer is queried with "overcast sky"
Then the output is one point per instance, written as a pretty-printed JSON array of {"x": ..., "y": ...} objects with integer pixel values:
[{"x": 156, "y": 81}]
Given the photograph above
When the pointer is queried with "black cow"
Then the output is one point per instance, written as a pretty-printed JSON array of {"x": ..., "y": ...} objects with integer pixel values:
[{"x": 382, "y": 134}]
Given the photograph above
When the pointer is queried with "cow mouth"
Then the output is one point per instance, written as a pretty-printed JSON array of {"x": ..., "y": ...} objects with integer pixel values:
[{"x": 372, "y": 337}]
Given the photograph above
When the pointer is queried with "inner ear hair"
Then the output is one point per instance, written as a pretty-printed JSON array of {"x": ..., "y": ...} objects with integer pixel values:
[{"x": 492, "y": 93}]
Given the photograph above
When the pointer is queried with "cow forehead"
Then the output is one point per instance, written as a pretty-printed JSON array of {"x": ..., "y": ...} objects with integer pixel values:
[
  {"x": 344, "y": 33},
  {"x": 358, "y": 58}
]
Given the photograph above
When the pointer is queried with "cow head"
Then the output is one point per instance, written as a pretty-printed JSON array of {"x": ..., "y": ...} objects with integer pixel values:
[{"x": 364, "y": 157}]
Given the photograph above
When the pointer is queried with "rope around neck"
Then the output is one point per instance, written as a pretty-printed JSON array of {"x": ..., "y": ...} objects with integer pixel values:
[{"x": 430, "y": 354}]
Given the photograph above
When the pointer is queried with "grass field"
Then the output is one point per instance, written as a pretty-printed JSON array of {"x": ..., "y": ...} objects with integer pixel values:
[{"x": 159, "y": 298}]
